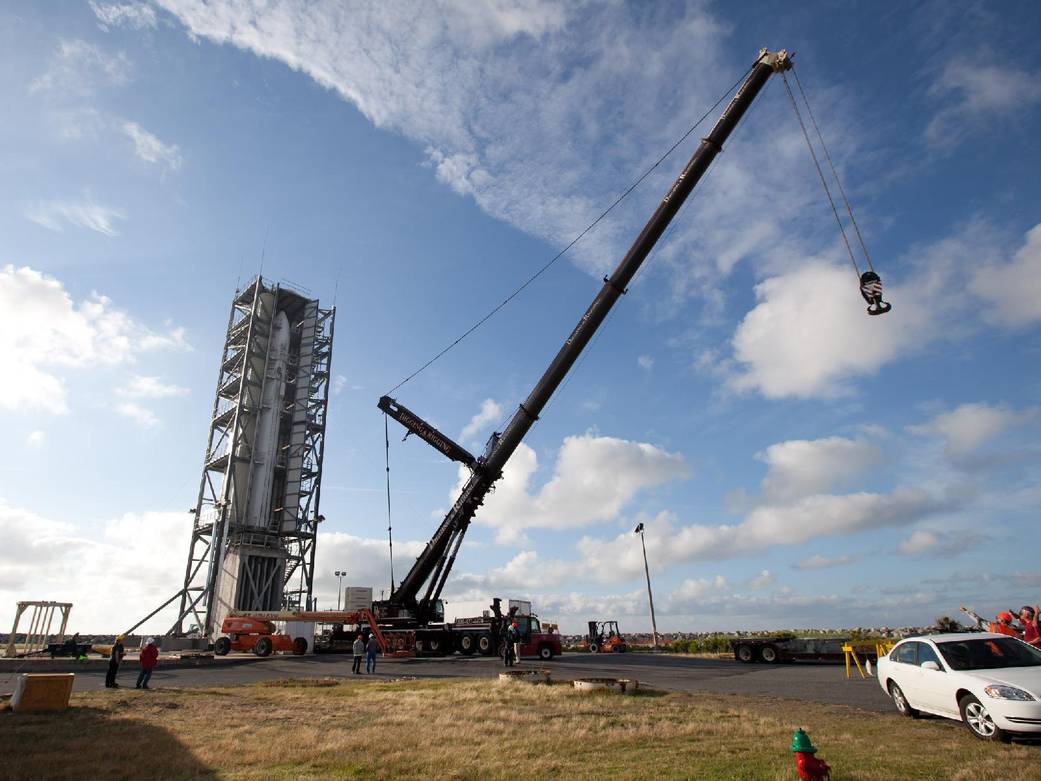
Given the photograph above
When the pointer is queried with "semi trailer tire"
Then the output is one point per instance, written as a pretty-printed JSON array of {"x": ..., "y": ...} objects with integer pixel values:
[
  {"x": 745, "y": 653},
  {"x": 768, "y": 653}
]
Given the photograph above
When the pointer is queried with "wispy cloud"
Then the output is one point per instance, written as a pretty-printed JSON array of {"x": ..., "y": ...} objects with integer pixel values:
[
  {"x": 141, "y": 387},
  {"x": 80, "y": 67},
  {"x": 817, "y": 561},
  {"x": 141, "y": 415},
  {"x": 975, "y": 94},
  {"x": 85, "y": 213},
  {"x": 42, "y": 329},
  {"x": 491, "y": 411},
  {"x": 136, "y": 16},
  {"x": 150, "y": 149},
  {"x": 36, "y": 438}
]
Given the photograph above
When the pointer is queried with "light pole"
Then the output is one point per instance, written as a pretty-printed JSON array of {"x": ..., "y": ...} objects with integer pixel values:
[
  {"x": 647, "y": 572},
  {"x": 339, "y": 586}
]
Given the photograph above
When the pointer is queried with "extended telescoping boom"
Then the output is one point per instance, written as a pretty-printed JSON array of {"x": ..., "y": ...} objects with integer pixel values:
[{"x": 435, "y": 562}]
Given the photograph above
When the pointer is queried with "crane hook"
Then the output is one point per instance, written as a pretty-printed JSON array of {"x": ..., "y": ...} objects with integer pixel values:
[{"x": 871, "y": 289}]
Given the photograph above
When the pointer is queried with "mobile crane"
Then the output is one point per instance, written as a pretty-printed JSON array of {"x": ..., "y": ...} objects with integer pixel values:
[{"x": 412, "y": 617}]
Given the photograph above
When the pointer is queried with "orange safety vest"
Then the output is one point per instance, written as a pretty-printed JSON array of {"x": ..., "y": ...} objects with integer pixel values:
[{"x": 1002, "y": 629}]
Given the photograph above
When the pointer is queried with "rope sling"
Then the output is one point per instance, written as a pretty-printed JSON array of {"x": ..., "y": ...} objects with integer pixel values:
[{"x": 870, "y": 281}]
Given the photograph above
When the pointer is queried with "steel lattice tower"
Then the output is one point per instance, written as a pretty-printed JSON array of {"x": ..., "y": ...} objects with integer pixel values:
[{"x": 256, "y": 519}]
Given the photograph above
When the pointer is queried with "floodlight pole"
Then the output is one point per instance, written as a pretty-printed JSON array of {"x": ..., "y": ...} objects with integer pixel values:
[
  {"x": 339, "y": 586},
  {"x": 647, "y": 572}
]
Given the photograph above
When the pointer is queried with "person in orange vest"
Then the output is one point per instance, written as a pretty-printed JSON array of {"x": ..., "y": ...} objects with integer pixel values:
[{"x": 1002, "y": 623}]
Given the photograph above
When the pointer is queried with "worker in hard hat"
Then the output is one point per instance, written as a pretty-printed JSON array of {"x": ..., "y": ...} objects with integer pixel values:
[
  {"x": 149, "y": 659},
  {"x": 114, "y": 659}
]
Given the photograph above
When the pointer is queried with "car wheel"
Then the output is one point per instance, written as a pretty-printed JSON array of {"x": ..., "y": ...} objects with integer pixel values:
[
  {"x": 545, "y": 653},
  {"x": 222, "y": 646},
  {"x": 768, "y": 654},
  {"x": 745, "y": 653},
  {"x": 978, "y": 720},
  {"x": 900, "y": 701},
  {"x": 263, "y": 647}
]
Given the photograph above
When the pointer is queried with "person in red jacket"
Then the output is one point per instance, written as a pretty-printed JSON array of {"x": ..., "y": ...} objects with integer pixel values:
[
  {"x": 149, "y": 659},
  {"x": 1028, "y": 617}
]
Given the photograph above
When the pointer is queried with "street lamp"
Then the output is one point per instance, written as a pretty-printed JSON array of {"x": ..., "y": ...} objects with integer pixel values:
[
  {"x": 339, "y": 585},
  {"x": 647, "y": 572}
]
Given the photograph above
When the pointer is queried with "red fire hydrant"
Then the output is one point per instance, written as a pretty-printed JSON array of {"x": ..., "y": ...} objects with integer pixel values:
[{"x": 808, "y": 766}]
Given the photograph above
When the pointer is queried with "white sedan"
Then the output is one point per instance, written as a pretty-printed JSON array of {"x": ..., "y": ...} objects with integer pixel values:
[{"x": 990, "y": 682}]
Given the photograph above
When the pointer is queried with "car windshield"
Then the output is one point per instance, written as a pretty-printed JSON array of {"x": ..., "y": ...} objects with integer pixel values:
[{"x": 989, "y": 654}]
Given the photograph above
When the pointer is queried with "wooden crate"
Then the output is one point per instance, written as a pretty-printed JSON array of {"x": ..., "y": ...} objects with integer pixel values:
[{"x": 40, "y": 692}]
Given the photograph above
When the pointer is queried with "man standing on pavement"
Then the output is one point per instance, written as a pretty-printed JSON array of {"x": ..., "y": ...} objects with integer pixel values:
[
  {"x": 149, "y": 659},
  {"x": 371, "y": 649},
  {"x": 359, "y": 649},
  {"x": 114, "y": 658}
]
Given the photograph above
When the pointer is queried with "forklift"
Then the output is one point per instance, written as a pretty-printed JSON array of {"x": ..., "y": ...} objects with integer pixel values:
[{"x": 603, "y": 636}]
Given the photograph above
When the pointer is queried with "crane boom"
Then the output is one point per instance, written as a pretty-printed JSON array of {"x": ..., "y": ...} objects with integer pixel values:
[{"x": 435, "y": 562}]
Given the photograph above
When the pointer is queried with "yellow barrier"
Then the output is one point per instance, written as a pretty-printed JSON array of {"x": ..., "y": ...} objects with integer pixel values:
[{"x": 882, "y": 648}]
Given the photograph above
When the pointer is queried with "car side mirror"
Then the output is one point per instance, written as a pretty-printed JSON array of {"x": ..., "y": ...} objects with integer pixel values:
[{"x": 931, "y": 666}]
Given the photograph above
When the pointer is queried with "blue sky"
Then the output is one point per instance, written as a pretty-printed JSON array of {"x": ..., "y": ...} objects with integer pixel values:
[{"x": 796, "y": 463}]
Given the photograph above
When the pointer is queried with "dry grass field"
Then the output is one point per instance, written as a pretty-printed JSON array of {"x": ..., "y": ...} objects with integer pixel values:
[{"x": 476, "y": 729}]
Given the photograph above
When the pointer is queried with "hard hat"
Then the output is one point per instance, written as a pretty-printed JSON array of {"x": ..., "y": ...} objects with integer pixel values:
[
  {"x": 801, "y": 743},
  {"x": 1005, "y": 616}
]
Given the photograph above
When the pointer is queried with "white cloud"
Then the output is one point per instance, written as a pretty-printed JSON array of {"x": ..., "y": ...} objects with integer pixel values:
[
  {"x": 42, "y": 330},
  {"x": 142, "y": 416},
  {"x": 764, "y": 527},
  {"x": 1012, "y": 289},
  {"x": 79, "y": 67},
  {"x": 84, "y": 213},
  {"x": 141, "y": 387},
  {"x": 366, "y": 561},
  {"x": 55, "y": 560},
  {"x": 645, "y": 362},
  {"x": 761, "y": 581},
  {"x": 969, "y": 426},
  {"x": 506, "y": 100},
  {"x": 491, "y": 412},
  {"x": 809, "y": 336},
  {"x": 976, "y": 95},
  {"x": 817, "y": 561},
  {"x": 932, "y": 542},
  {"x": 36, "y": 439},
  {"x": 594, "y": 478},
  {"x": 136, "y": 16},
  {"x": 151, "y": 149},
  {"x": 803, "y": 467},
  {"x": 338, "y": 384}
]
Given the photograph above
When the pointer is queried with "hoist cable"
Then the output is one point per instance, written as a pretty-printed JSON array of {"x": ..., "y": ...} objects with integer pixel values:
[
  {"x": 834, "y": 171},
  {"x": 577, "y": 238},
  {"x": 390, "y": 535},
  {"x": 820, "y": 172}
]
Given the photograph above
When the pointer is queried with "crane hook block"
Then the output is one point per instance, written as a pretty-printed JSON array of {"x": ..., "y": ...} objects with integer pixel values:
[{"x": 871, "y": 289}]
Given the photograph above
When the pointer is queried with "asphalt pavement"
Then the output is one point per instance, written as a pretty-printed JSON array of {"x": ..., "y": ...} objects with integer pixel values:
[{"x": 806, "y": 682}]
